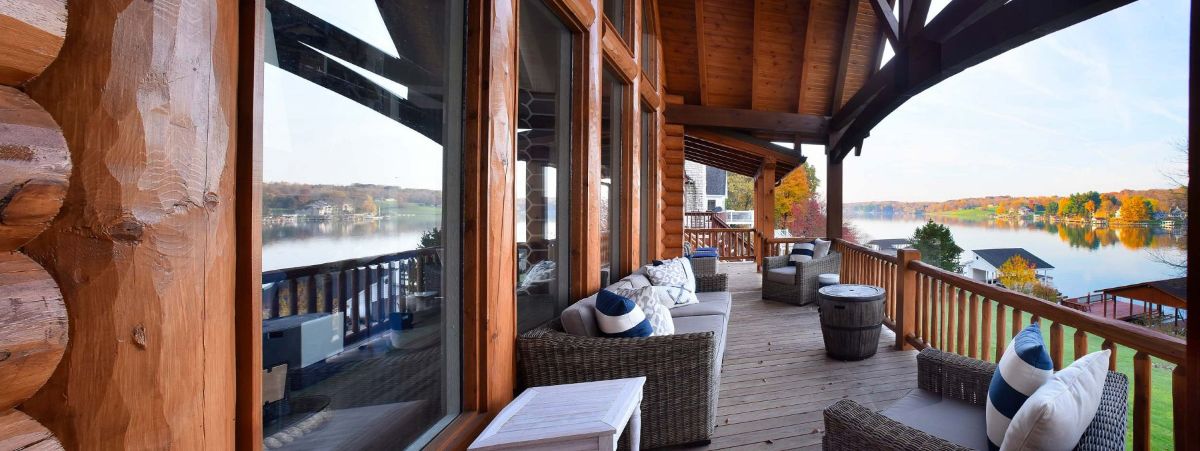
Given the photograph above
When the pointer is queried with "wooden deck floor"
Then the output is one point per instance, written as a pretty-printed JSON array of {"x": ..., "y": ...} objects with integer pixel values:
[{"x": 776, "y": 379}]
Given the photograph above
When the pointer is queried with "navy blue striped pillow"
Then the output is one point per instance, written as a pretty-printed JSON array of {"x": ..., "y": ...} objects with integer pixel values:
[
  {"x": 1024, "y": 367},
  {"x": 801, "y": 252},
  {"x": 619, "y": 316}
]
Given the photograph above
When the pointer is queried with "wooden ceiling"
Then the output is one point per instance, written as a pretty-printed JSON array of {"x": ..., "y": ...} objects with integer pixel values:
[{"x": 791, "y": 56}]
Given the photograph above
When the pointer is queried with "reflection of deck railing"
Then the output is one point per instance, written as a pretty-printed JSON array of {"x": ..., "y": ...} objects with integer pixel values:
[
  {"x": 365, "y": 290},
  {"x": 928, "y": 306}
]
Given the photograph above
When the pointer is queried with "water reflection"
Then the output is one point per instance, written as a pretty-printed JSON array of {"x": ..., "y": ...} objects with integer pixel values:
[
  {"x": 1086, "y": 236},
  {"x": 291, "y": 243}
]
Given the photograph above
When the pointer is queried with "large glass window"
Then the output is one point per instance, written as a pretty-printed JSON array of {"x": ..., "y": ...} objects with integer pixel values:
[
  {"x": 649, "y": 150},
  {"x": 611, "y": 150},
  {"x": 649, "y": 45},
  {"x": 543, "y": 166},
  {"x": 617, "y": 12},
  {"x": 360, "y": 225}
]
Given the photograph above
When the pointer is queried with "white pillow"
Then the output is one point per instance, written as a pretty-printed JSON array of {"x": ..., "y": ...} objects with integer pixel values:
[
  {"x": 676, "y": 272},
  {"x": 658, "y": 313},
  {"x": 821, "y": 248},
  {"x": 1059, "y": 412},
  {"x": 673, "y": 296}
]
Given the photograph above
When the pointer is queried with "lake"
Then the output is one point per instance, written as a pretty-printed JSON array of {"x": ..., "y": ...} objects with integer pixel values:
[
  {"x": 299, "y": 243},
  {"x": 1085, "y": 259}
]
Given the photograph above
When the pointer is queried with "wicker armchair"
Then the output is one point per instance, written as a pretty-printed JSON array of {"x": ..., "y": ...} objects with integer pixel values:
[
  {"x": 679, "y": 400},
  {"x": 850, "y": 426},
  {"x": 712, "y": 282},
  {"x": 802, "y": 289}
]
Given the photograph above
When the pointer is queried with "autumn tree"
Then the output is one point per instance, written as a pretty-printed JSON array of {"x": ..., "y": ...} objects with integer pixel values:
[
  {"x": 1017, "y": 273},
  {"x": 795, "y": 189},
  {"x": 369, "y": 206},
  {"x": 741, "y": 192},
  {"x": 937, "y": 246}
]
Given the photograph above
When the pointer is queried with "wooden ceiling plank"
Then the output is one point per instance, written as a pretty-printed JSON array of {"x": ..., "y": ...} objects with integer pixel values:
[
  {"x": 809, "y": 44},
  {"x": 695, "y": 115},
  {"x": 701, "y": 50},
  {"x": 887, "y": 20},
  {"x": 755, "y": 47},
  {"x": 839, "y": 86},
  {"x": 745, "y": 144}
]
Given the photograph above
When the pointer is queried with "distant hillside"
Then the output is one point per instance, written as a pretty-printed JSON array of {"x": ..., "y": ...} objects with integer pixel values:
[
  {"x": 1165, "y": 200},
  {"x": 294, "y": 196}
]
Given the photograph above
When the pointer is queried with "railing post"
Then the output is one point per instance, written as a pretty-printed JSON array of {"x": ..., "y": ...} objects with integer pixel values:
[{"x": 906, "y": 299}]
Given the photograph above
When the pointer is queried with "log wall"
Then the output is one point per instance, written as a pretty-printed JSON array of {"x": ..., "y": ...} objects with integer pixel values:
[
  {"x": 145, "y": 93},
  {"x": 34, "y": 169}
]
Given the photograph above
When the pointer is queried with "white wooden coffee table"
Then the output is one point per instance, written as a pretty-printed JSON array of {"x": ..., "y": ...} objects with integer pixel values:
[{"x": 586, "y": 416}]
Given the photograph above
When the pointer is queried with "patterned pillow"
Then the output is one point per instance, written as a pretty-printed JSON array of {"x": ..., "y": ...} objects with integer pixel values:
[
  {"x": 1023, "y": 368},
  {"x": 801, "y": 252},
  {"x": 673, "y": 296},
  {"x": 657, "y": 313},
  {"x": 619, "y": 316},
  {"x": 672, "y": 273}
]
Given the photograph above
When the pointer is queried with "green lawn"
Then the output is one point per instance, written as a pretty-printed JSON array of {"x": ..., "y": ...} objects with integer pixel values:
[
  {"x": 391, "y": 208},
  {"x": 969, "y": 214},
  {"x": 1161, "y": 410}
]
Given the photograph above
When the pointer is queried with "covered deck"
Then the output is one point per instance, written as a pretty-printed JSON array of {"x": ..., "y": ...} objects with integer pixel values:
[{"x": 776, "y": 379}]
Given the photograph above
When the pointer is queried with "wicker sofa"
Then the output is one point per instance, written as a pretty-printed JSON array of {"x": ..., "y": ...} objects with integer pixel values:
[
  {"x": 796, "y": 284},
  {"x": 946, "y": 412},
  {"x": 682, "y": 371}
]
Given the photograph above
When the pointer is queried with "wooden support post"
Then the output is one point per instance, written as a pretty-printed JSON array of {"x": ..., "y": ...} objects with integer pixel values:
[
  {"x": 833, "y": 198},
  {"x": 764, "y": 208},
  {"x": 906, "y": 305}
]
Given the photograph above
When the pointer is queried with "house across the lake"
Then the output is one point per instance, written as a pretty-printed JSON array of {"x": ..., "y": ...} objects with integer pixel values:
[{"x": 984, "y": 264}]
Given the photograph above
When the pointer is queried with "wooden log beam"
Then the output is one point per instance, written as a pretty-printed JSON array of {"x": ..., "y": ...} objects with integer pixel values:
[
  {"x": 839, "y": 87},
  {"x": 887, "y": 21},
  {"x": 34, "y": 168},
  {"x": 31, "y": 35},
  {"x": 924, "y": 62},
  {"x": 958, "y": 15},
  {"x": 33, "y": 335},
  {"x": 19, "y": 431},
  {"x": 810, "y": 126},
  {"x": 146, "y": 235},
  {"x": 833, "y": 198},
  {"x": 912, "y": 17}
]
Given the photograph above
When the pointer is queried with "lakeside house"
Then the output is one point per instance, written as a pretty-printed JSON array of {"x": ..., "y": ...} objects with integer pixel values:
[
  {"x": 890, "y": 245},
  {"x": 984, "y": 264}
]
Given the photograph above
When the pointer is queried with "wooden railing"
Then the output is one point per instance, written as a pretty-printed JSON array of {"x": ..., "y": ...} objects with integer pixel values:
[
  {"x": 704, "y": 220},
  {"x": 364, "y": 290},
  {"x": 933, "y": 307},
  {"x": 731, "y": 244}
]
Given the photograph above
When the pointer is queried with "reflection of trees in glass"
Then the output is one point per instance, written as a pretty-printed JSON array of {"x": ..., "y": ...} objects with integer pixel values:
[{"x": 431, "y": 238}]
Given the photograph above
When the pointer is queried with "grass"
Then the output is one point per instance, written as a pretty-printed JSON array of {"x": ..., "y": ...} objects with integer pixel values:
[
  {"x": 391, "y": 208},
  {"x": 968, "y": 214},
  {"x": 1161, "y": 405}
]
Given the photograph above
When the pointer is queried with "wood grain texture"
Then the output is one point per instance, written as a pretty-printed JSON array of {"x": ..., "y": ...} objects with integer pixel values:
[
  {"x": 34, "y": 167},
  {"x": 31, "y": 34},
  {"x": 144, "y": 247},
  {"x": 33, "y": 334},
  {"x": 20, "y": 432}
]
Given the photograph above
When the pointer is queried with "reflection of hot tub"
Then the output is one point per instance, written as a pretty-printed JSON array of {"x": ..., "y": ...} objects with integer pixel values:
[{"x": 301, "y": 340}]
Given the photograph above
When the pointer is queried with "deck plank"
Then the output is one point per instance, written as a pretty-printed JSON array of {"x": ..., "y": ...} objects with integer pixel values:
[{"x": 776, "y": 380}]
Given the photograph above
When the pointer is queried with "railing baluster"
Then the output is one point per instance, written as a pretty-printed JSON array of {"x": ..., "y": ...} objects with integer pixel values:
[
  {"x": 921, "y": 308},
  {"x": 355, "y": 288},
  {"x": 1141, "y": 401},
  {"x": 947, "y": 337},
  {"x": 973, "y": 330},
  {"x": 960, "y": 325},
  {"x": 1081, "y": 344},
  {"x": 293, "y": 301},
  {"x": 936, "y": 326},
  {"x": 1112, "y": 357},
  {"x": 1056, "y": 345},
  {"x": 985, "y": 346},
  {"x": 311, "y": 293},
  {"x": 1016, "y": 322},
  {"x": 1001, "y": 340}
]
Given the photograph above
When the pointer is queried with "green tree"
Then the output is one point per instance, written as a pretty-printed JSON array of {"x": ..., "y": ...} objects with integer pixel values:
[
  {"x": 741, "y": 192},
  {"x": 937, "y": 247}
]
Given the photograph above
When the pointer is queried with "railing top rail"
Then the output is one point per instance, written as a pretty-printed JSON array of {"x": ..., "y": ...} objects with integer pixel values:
[
  {"x": 276, "y": 275},
  {"x": 720, "y": 230},
  {"x": 866, "y": 250},
  {"x": 788, "y": 239},
  {"x": 1158, "y": 344}
]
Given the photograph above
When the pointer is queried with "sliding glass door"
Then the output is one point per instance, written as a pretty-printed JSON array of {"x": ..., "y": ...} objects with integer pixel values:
[{"x": 361, "y": 222}]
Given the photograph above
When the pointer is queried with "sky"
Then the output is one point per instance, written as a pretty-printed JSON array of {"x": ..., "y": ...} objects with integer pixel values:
[{"x": 1098, "y": 106}]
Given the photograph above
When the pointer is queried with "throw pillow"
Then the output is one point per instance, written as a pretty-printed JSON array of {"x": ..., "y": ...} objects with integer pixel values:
[
  {"x": 1058, "y": 413},
  {"x": 619, "y": 316},
  {"x": 669, "y": 274},
  {"x": 673, "y": 296},
  {"x": 821, "y": 248},
  {"x": 801, "y": 252},
  {"x": 657, "y": 313},
  {"x": 1023, "y": 368}
]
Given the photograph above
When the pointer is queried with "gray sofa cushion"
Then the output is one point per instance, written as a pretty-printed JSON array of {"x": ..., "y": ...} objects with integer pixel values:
[
  {"x": 786, "y": 274},
  {"x": 955, "y": 421},
  {"x": 705, "y": 323},
  {"x": 580, "y": 318},
  {"x": 711, "y": 303}
]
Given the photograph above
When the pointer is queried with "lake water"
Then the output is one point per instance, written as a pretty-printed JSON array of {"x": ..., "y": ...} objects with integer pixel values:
[
  {"x": 1085, "y": 259},
  {"x": 291, "y": 244}
]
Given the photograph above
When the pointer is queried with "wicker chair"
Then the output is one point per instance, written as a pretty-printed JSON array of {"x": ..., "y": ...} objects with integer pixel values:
[
  {"x": 679, "y": 400},
  {"x": 802, "y": 288},
  {"x": 850, "y": 426}
]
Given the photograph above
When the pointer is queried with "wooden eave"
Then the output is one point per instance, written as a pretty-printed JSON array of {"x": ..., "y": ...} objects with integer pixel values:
[{"x": 738, "y": 153}]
